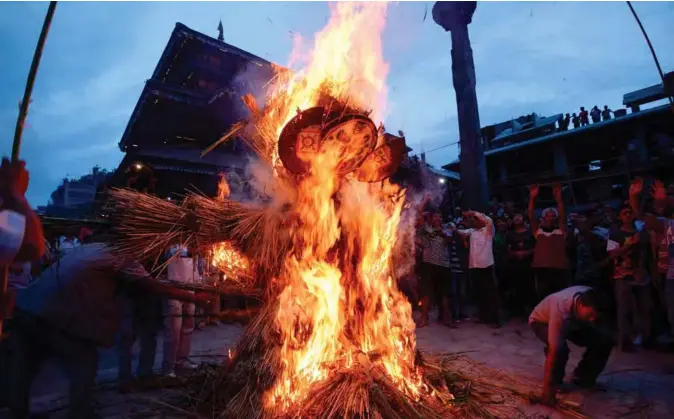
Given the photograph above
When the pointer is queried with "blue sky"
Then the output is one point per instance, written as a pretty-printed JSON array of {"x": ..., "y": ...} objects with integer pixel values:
[{"x": 529, "y": 57}]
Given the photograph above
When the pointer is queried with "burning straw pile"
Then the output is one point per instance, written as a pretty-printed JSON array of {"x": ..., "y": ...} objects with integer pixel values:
[
  {"x": 335, "y": 337},
  {"x": 462, "y": 388}
]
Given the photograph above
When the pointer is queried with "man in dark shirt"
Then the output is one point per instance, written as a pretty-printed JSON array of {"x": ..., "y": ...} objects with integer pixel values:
[
  {"x": 575, "y": 120},
  {"x": 520, "y": 242},
  {"x": 70, "y": 312},
  {"x": 590, "y": 253},
  {"x": 606, "y": 113},
  {"x": 564, "y": 122},
  {"x": 595, "y": 113},
  {"x": 584, "y": 120},
  {"x": 570, "y": 314},
  {"x": 500, "y": 250},
  {"x": 628, "y": 248},
  {"x": 458, "y": 263}
]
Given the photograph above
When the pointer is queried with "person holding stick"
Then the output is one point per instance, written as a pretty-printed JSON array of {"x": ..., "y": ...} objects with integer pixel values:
[
  {"x": 21, "y": 242},
  {"x": 70, "y": 312}
]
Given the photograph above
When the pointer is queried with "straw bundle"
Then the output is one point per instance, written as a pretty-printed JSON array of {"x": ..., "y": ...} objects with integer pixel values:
[
  {"x": 260, "y": 136},
  {"x": 145, "y": 226}
]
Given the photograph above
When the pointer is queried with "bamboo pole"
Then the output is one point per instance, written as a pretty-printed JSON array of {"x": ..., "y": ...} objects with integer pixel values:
[
  {"x": 23, "y": 112},
  {"x": 650, "y": 46}
]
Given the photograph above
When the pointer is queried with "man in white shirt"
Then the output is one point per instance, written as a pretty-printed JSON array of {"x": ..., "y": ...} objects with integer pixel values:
[
  {"x": 179, "y": 322},
  {"x": 480, "y": 233},
  {"x": 570, "y": 314}
]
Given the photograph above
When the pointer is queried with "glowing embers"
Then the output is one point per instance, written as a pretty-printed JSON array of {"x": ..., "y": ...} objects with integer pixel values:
[{"x": 226, "y": 258}]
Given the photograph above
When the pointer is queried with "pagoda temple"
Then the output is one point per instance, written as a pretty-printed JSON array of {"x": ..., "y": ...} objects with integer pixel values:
[{"x": 192, "y": 98}]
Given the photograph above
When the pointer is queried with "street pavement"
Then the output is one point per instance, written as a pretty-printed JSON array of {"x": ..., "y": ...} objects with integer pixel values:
[{"x": 634, "y": 385}]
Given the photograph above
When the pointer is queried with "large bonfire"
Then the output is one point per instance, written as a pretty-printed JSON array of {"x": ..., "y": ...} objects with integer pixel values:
[
  {"x": 338, "y": 318},
  {"x": 335, "y": 337}
]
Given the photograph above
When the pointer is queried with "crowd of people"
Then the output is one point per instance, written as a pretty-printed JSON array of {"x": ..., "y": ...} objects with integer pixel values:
[
  {"x": 600, "y": 279},
  {"x": 506, "y": 261},
  {"x": 583, "y": 117}
]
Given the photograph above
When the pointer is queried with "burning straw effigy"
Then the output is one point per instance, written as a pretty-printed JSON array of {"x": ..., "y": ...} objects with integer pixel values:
[{"x": 335, "y": 337}]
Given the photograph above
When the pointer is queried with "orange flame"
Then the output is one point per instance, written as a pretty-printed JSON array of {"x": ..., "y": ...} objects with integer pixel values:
[
  {"x": 223, "y": 188},
  {"x": 334, "y": 312},
  {"x": 227, "y": 259},
  {"x": 346, "y": 63}
]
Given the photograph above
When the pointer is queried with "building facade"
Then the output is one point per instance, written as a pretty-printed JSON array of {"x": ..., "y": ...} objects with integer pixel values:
[
  {"x": 76, "y": 198},
  {"x": 192, "y": 98},
  {"x": 595, "y": 162}
]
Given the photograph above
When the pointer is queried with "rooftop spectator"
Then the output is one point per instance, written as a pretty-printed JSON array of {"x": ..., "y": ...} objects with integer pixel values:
[
  {"x": 564, "y": 122},
  {"x": 575, "y": 120},
  {"x": 606, "y": 113},
  {"x": 583, "y": 115},
  {"x": 595, "y": 114}
]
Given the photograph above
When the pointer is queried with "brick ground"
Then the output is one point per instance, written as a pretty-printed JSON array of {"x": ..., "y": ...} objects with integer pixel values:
[{"x": 636, "y": 385}]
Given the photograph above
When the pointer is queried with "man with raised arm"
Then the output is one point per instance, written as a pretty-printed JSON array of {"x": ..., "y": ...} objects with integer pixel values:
[
  {"x": 480, "y": 233},
  {"x": 550, "y": 263}
]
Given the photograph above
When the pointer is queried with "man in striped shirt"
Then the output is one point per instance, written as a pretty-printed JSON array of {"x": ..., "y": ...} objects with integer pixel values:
[{"x": 435, "y": 273}]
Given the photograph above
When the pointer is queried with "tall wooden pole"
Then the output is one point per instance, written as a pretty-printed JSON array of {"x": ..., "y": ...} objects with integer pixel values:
[
  {"x": 454, "y": 17},
  {"x": 23, "y": 112}
]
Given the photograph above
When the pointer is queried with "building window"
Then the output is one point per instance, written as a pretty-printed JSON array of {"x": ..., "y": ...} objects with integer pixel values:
[{"x": 594, "y": 165}]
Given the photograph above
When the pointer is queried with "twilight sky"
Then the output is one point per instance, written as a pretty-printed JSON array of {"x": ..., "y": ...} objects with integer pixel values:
[{"x": 530, "y": 57}]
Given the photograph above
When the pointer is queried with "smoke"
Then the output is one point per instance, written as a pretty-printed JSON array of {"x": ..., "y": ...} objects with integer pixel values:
[
  {"x": 405, "y": 250},
  {"x": 266, "y": 187},
  {"x": 254, "y": 79}
]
